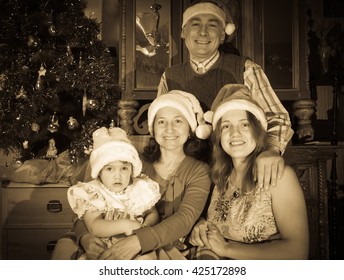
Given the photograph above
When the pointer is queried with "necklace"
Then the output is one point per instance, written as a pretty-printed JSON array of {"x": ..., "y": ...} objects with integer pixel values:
[{"x": 236, "y": 192}]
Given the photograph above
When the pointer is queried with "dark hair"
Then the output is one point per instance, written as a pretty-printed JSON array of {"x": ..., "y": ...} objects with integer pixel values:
[
  {"x": 194, "y": 147},
  {"x": 222, "y": 164}
]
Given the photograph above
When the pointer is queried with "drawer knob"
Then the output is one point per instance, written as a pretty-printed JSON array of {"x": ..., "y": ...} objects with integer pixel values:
[
  {"x": 54, "y": 206},
  {"x": 50, "y": 246}
]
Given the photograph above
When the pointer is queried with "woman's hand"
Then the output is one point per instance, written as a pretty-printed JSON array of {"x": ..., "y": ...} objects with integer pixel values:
[
  {"x": 125, "y": 249},
  {"x": 199, "y": 236},
  {"x": 217, "y": 242},
  {"x": 268, "y": 168},
  {"x": 92, "y": 245}
]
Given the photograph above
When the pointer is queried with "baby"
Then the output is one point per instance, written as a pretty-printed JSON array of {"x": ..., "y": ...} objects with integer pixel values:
[{"x": 120, "y": 199}]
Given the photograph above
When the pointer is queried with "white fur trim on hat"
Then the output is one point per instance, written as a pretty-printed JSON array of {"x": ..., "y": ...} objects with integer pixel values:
[
  {"x": 239, "y": 104},
  {"x": 187, "y": 104},
  {"x": 212, "y": 9},
  {"x": 234, "y": 97},
  {"x": 111, "y": 145}
]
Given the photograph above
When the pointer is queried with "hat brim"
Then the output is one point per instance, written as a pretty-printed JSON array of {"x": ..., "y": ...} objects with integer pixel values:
[
  {"x": 113, "y": 151},
  {"x": 174, "y": 101},
  {"x": 239, "y": 104}
]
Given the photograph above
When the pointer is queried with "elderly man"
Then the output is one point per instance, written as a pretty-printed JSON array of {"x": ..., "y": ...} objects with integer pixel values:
[{"x": 206, "y": 26}]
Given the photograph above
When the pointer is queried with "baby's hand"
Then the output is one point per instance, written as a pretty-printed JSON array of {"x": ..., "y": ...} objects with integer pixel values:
[{"x": 130, "y": 226}]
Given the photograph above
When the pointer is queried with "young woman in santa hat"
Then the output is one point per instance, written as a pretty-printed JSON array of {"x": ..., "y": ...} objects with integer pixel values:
[{"x": 245, "y": 221}]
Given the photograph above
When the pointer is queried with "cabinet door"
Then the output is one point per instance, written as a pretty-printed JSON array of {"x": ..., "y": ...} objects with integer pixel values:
[
  {"x": 274, "y": 37},
  {"x": 30, "y": 244},
  {"x": 150, "y": 42}
]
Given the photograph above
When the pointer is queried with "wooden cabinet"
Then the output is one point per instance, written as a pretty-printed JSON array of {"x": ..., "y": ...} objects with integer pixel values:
[
  {"x": 33, "y": 218},
  {"x": 310, "y": 164}
]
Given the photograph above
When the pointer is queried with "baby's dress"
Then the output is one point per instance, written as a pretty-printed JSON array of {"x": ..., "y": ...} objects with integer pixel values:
[
  {"x": 246, "y": 218},
  {"x": 131, "y": 203}
]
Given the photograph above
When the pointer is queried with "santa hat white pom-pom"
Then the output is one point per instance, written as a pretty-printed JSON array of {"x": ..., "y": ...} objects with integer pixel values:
[
  {"x": 230, "y": 28},
  {"x": 208, "y": 116},
  {"x": 203, "y": 131}
]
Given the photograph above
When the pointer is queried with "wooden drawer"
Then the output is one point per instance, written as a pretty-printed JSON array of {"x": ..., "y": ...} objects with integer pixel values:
[
  {"x": 36, "y": 207},
  {"x": 30, "y": 244}
]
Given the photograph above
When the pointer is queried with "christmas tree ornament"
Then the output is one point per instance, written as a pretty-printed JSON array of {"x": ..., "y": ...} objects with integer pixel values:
[
  {"x": 3, "y": 79},
  {"x": 26, "y": 69},
  {"x": 22, "y": 93},
  {"x": 25, "y": 144},
  {"x": 84, "y": 103},
  {"x": 42, "y": 71},
  {"x": 18, "y": 163},
  {"x": 52, "y": 150},
  {"x": 39, "y": 82},
  {"x": 69, "y": 56},
  {"x": 33, "y": 41},
  {"x": 50, "y": 24},
  {"x": 112, "y": 124},
  {"x": 72, "y": 123},
  {"x": 35, "y": 127},
  {"x": 52, "y": 30},
  {"x": 92, "y": 104},
  {"x": 53, "y": 126},
  {"x": 88, "y": 150},
  {"x": 81, "y": 62}
]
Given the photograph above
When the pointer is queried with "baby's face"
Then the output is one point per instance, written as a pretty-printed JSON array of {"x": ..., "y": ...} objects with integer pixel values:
[{"x": 116, "y": 175}]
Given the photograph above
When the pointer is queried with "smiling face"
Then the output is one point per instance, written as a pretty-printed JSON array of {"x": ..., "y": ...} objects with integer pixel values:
[
  {"x": 236, "y": 134},
  {"x": 203, "y": 34},
  {"x": 171, "y": 129},
  {"x": 116, "y": 175}
]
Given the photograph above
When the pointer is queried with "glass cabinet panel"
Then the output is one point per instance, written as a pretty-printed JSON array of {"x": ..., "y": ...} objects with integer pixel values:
[
  {"x": 152, "y": 37},
  {"x": 273, "y": 35},
  {"x": 278, "y": 43},
  {"x": 150, "y": 42}
]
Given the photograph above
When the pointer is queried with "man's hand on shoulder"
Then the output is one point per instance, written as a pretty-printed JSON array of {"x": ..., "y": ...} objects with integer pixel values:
[{"x": 269, "y": 167}]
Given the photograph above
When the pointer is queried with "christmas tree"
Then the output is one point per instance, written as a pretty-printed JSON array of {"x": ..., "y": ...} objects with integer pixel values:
[{"x": 57, "y": 79}]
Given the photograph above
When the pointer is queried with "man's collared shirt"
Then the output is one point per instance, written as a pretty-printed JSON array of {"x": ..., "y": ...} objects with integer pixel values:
[{"x": 203, "y": 67}]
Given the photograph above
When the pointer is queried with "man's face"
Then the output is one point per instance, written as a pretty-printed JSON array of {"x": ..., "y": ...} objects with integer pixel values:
[{"x": 203, "y": 34}]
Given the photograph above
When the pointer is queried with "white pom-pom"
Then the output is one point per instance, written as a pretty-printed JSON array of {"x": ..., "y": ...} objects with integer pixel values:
[
  {"x": 208, "y": 116},
  {"x": 203, "y": 131},
  {"x": 230, "y": 28}
]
